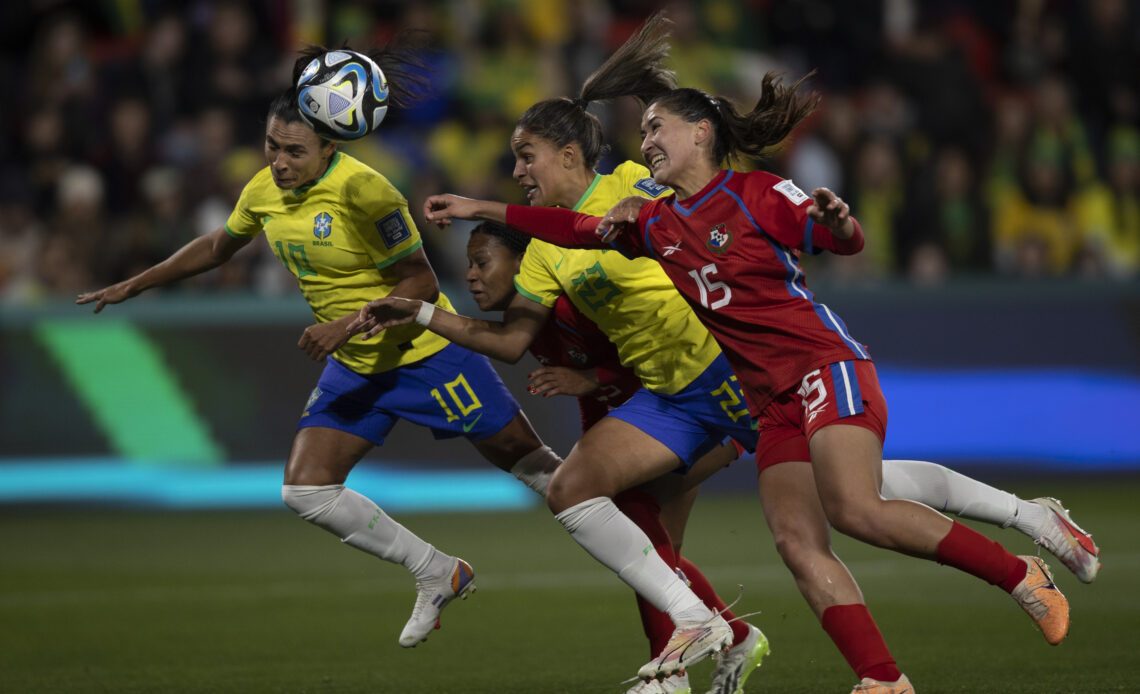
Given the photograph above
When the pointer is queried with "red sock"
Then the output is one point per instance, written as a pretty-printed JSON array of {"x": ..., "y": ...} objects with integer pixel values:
[
  {"x": 705, "y": 592},
  {"x": 858, "y": 639},
  {"x": 645, "y": 512},
  {"x": 972, "y": 552}
]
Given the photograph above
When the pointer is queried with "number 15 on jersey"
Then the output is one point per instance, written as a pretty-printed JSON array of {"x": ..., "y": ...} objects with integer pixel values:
[{"x": 714, "y": 293}]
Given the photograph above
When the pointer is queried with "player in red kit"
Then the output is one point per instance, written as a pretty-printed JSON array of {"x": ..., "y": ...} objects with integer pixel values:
[{"x": 730, "y": 242}]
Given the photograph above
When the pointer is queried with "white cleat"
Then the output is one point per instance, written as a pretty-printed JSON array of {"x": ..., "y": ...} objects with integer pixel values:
[
  {"x": 734, "y": 667},
  {"x": 675, "y": 684},
  {"x": 689, "y": 644},
  {"x": 1067, "y": 541},
  {"x": 432, "y": 596}
]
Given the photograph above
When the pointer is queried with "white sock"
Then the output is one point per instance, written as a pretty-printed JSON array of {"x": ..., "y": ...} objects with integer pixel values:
[
  {"x": 536, "y": 468},
  {"x": 364, "y": 525},
  {"x": 613, "y": 539},
  {"x": 1030, "y": 518},
  {"x": 945, "y": 490}
]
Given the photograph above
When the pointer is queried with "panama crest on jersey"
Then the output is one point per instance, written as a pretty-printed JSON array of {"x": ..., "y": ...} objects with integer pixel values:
[
  {"x": 322, "y": 225},
  {"x": 577, "y": 355},
  {"x": 720, "y": 238}
]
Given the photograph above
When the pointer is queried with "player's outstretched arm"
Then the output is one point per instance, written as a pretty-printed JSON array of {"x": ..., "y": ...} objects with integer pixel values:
[
  {"x": 201, "y": 254},
  {"x": 441, "y": 209},
  {"x": 621, "y": 217},
  {"x": 505, "y": 340}
]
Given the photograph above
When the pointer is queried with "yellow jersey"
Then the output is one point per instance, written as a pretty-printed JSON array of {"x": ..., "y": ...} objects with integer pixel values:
[
  {"x": 632, "y": 301},
  {"x": 340, "y": 236}
]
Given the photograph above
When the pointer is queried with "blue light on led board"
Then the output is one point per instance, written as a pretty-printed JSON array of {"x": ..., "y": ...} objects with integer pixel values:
[
  {"x": 1063, "y": 418},
  {"x": 251, "y": 485}
]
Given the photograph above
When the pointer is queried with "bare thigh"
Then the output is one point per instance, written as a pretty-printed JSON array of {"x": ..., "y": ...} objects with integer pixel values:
[
  {"x": 611, "y": 457},
  {"x": 321, "y": 456}
]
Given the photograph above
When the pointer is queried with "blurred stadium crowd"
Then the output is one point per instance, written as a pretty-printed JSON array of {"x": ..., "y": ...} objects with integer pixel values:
[{"x": 970, "y": 137}]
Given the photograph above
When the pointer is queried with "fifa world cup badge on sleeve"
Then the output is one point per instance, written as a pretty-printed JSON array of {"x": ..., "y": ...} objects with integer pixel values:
[
  {"x": 650, "y": 187},
  {"x": 393, "y": 229}
]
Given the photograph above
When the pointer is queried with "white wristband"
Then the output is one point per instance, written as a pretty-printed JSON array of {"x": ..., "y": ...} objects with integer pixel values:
[{"x": 423, "y": 316}]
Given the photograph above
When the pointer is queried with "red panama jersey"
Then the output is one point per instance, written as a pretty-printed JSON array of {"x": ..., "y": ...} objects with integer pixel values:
[
  {"x": 572, "y": 340},
  {"x": 732, "y": 250}
]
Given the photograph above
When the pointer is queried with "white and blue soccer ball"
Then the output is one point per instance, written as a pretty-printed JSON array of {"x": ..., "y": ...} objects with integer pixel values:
[{"x": 343, "y": 95}]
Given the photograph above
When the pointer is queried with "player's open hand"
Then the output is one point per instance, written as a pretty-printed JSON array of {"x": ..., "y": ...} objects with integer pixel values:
[
  {"x": 108, "y": 295},
  {"x": 384, "y": 313},
  {"x": 441, "y": 209},
  {"x": 320, "y": 340},
  {"x": 561, "y": 380},
  {"x": 829, "y": 210},
  {"x": 620, "y": 217}
]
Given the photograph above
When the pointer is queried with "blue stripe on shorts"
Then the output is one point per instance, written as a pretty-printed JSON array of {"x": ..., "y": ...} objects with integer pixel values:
[{"x": 845, "y": 383}]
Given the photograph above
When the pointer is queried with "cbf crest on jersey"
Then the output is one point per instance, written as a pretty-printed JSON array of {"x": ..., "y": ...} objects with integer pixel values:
[
  {"x": 322, "y": 225},
  {"x": 393, "y": 229},
  {"x": 719, "y": 239}
]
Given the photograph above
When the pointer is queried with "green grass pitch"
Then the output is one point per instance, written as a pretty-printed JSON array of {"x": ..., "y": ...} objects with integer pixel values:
[{"x": 95, "y": 600}]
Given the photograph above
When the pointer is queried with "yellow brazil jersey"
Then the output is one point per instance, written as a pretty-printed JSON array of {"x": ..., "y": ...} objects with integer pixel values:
[
  {"x": 340, "y": 236},
  {"x": 632, "y": 301}
]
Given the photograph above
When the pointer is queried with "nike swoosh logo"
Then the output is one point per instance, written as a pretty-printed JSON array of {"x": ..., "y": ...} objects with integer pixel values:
[
  {"x": 467, "y": 425},
  {"x": 1082, "y": 539},
  {"x": 559, "y": 263}
]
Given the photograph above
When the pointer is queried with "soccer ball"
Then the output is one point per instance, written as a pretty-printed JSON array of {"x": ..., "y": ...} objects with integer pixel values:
[{"x": 343, "y": 95}]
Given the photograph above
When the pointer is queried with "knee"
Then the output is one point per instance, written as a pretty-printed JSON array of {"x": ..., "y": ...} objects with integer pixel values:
[
  {"x": 855, "y": 517},
  {"x": 559, "y": 493},
  {"x": 311, "y": 501},
  {"x": 796, "y": 549},
  {"x": 568, "y": 487}
]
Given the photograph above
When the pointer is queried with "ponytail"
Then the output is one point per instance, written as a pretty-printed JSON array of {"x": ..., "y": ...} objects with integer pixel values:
[
  {"x": 635, "y": 69},
  {"x": 777, "y": 113}
]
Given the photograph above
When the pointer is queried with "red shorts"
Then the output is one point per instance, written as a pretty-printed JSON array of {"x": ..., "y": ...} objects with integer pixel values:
[{"x": 845, "y": 392}]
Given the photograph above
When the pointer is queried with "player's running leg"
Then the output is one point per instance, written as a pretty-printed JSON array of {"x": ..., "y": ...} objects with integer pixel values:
[
  {"x": 847, "y": 463},
  {"x": 612, "y": 456},
  {"x": 800, "y": 531},
  {"x": 1043, "y": 519},
  {"x": 319, "y": 463}
]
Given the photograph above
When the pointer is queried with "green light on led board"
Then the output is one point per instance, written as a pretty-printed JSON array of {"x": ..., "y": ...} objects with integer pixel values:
[{"x": 121, "y": 378}]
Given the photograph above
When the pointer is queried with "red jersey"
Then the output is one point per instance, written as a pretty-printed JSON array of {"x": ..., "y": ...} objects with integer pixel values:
[
  {"x": 572, "y": 340},
  {"x": 732, "y": 250}
]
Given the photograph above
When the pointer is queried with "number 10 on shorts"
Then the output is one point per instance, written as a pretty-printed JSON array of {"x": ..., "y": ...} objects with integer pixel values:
[{"x": 457, "y": 389}]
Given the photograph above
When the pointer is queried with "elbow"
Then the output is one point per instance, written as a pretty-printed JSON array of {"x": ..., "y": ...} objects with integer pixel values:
[
  {"x": 515, "y": 355},
  {"x": 508, "y": 352}
]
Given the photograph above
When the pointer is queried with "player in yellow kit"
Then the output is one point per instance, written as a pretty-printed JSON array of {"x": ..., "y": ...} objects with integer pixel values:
[{"x": 345, "y": 232}]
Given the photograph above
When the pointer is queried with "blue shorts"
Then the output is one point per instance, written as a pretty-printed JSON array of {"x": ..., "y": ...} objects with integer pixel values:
[
  {"x": 696, "y": 420},
  {"x": 454, "y": 392}
]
